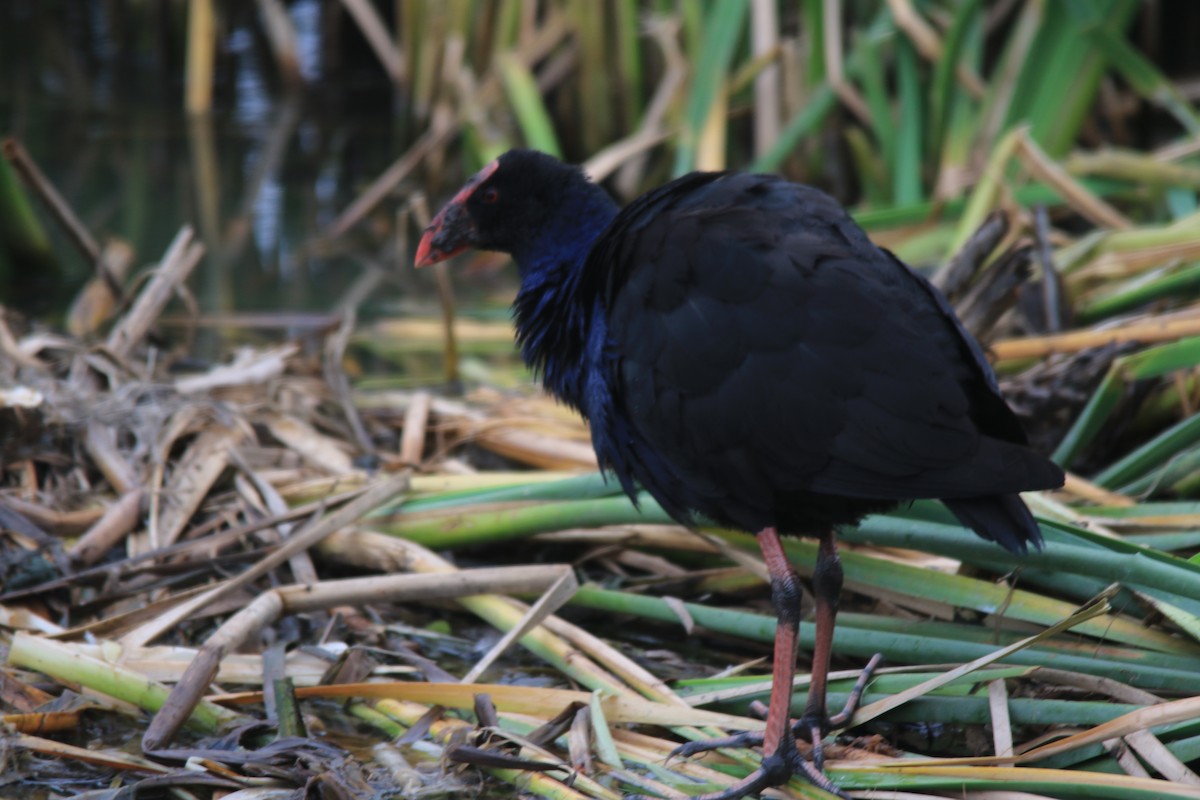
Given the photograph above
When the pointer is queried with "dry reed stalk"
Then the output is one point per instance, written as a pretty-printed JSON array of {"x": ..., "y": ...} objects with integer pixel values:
[
  {"x": 201, "y": 55},
  {"x": 335, "y": 352},
  {"x": 1086, "y": 490},
  {"x": 1143, "y": 331},
  {"x": 118, "y": 520},
  {"x": 249, "y": 368},
  {"x": 546, "y": 605},
  {"x": 379, "y": 551},
  {"x": 281, "y": 35},
  {"x": 301, "y": 598},
  {"x": 181, "y": 257},
  {"x": 60, "y": 523},
  {"x": 300, "y": 563},
  {"x": 35, "y": 179},
  {"x": 309, "y": 535},
  {"x": 192, "y": 478},
  {"x": 1142, "y": 719},
  {"x": 416, "y": 420},
  {"x": 377, "y": 36},
  {"x": 101, "y": 295},
  {"x": 435, "y": 137},
  {"x": 194, "y": 683},
  {"x": 1077, "y": 196},
  {"x": 321, "y": 451}
]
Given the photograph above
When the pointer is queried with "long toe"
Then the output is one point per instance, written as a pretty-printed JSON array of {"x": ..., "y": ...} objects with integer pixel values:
[
  {"x": 689, "y": 749},
  {"x": 816, "y": 775},
  {"x": 776, "y": 770},
  {"x": 807, "y": 728}
]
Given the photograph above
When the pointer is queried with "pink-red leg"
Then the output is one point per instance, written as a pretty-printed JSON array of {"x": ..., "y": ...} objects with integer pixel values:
[{"x": 785, "y": 596}]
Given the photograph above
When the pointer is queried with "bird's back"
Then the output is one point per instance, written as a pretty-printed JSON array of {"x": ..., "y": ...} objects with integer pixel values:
[{"x": 767, "y": 365}]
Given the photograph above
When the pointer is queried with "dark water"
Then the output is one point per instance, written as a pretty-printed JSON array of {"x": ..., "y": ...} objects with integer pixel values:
[{"x": 94, "y": 91}]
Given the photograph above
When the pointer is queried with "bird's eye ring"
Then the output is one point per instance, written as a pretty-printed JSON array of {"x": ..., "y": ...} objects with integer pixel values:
[{"x": 490, "y": 195}]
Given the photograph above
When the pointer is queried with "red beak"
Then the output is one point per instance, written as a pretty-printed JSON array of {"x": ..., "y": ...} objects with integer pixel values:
[{"x": 452, "y": 231}]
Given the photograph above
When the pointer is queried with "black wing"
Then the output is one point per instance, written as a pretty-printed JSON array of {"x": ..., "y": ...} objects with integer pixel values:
[{"x": 762, "y": 347}]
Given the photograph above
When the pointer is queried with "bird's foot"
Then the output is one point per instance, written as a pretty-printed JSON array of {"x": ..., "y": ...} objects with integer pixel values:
[
  {"x": 776, "y": 769},
  {"x": 813, "y": 727},
  {"x": 803, "y": 727}
]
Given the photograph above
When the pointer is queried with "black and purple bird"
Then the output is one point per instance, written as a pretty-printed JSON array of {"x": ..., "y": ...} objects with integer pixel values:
[{"x": 745, "y": 354}]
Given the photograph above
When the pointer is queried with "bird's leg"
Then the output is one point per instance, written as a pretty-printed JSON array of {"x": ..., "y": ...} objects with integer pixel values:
[
  {"x": 780, "y": 758},
  {"x": 827, "y": 589},
  {"x": 785, "y": 596}
]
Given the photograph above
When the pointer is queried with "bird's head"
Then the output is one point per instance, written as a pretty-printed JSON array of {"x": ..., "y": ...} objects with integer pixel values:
[{"x": 522, "y": 202}]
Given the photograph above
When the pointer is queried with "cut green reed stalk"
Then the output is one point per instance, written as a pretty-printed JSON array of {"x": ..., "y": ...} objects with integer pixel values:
[
  {"x": 975, "y": 710},
  {"x": 1175, "y": 477},
  {"x": 458, "y": 525},
  {"x": 869, "y": 574},
  {"x": 897, "y": 647},
  {"x": 1188, "y": 509},
  {"x": 1101, "y": 759},
  {"x": 453, "y": 528},
  {"x": 1158, "y": 574},
  {"x": 1009, "y": 781},
  {"x": 1154, "y": 453},
  {"x": 1002, "y": 637},
  {"x": 61, "y": 662},
  {"x": 1169, "y": 542},
  {"x": 701, "y": 692},
  {"x": 581, "y": 487},
  {"x": 1179, "y": 283}
]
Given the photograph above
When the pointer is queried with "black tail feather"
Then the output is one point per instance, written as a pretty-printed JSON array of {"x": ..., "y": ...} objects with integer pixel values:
[{"x": 1003, "y": 519}]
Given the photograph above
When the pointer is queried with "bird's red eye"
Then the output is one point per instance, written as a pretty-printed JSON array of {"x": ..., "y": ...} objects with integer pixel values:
[{"x": 490, "y": 195}]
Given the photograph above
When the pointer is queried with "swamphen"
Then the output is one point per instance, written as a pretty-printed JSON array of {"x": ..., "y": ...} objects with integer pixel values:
[{"x": 744, "y": 352}]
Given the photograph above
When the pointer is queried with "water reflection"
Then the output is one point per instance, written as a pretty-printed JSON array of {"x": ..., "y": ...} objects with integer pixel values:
[
  {"x": 94, "y": 91},
  {"x": 306, "y": 19}
]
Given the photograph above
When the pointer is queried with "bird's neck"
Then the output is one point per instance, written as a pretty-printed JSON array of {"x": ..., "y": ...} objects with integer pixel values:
[{"x": 555, "y": 324}]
